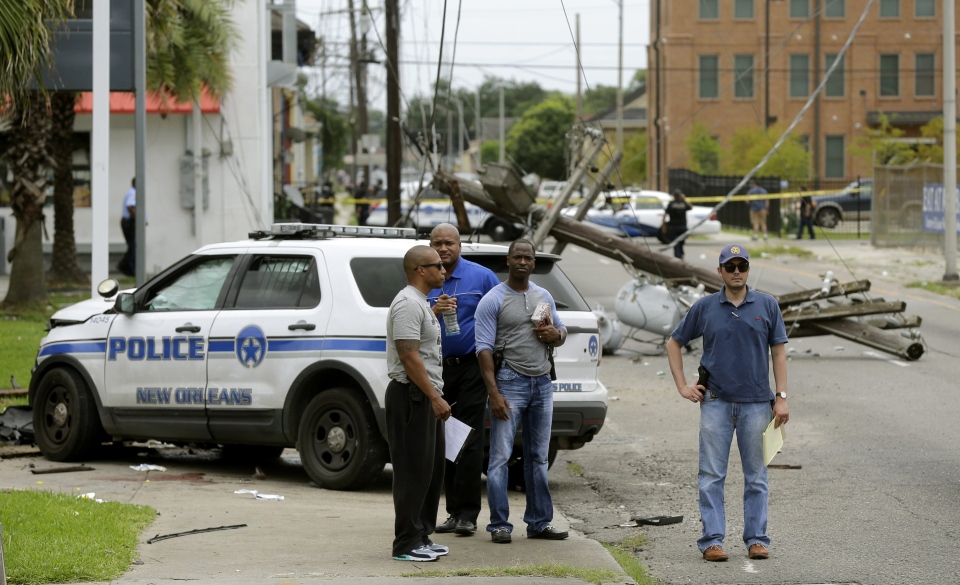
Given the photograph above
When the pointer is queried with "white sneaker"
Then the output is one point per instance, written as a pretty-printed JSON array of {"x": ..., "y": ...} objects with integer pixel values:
[{"x": 420, "y": 554}]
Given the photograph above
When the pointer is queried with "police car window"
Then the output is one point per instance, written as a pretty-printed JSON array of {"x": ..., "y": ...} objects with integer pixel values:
[
  {"x": 196, "y": 289},
  {"x": 279, "y": 282},
  {"x": 547, "y": 274},
  {"x": 379, "y": 279}
]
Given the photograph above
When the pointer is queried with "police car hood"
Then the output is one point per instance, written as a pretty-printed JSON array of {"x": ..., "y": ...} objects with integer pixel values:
[{"x": 85, "y": 309}]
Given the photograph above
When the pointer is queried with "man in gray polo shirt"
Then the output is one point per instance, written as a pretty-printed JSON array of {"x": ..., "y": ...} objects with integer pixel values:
[
  {"x": 521, "y": 391},
  {"x": 415, "y": 408}
]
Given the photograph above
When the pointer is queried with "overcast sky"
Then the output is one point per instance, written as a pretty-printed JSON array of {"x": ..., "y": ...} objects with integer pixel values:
[{"x": 525, "y": 40}]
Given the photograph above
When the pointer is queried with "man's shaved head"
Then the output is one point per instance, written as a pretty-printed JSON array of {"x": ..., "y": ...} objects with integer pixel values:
[
  {"x": 418, "y": 255},
  {"x": 447, "y": 230}
]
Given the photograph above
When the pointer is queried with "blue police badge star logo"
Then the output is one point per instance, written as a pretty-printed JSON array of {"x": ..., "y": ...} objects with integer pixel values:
[
  {"x": 251, "y": 346},
  {"x": 593, "y": 345}
]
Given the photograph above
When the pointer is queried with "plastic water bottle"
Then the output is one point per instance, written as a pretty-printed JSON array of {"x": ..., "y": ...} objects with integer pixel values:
[{"x": 450, "y": 322}]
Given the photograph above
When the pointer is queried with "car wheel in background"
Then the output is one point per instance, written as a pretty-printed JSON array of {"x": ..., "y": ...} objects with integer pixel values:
[
  {"x": 828, "y": 217},
  {"x": 65, "y": 420},
  {"x": 515, "y": 479},
  {"x": 340, "y": 445}
]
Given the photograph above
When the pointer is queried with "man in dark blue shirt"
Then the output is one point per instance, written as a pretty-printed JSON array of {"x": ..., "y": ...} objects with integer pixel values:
[
  {"x": 741, "y": 328},
  {"x": 466, "y": 283}
]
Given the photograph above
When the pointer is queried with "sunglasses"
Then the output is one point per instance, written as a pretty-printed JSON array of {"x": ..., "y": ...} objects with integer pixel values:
[
  {"x": 438, "y": 265},
  {"x": 730, "y": 267}
]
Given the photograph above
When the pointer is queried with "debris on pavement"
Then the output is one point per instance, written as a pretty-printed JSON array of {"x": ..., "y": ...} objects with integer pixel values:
[
  {"x": 148, "y": 467},
  {"x": 16, "y": 425},
  {"x": 258, "y": 496},
  {"x": 64, "y": 469},
  {"x": 657, "y": 520},
  {"x": 158, "y": 538},
  {"x": 90, "y": 496}
]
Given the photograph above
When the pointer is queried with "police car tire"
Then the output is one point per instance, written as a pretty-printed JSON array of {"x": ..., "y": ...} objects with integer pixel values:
[
  {"x": 65, "y": 420},
  {"x": 361, "y": 459}
]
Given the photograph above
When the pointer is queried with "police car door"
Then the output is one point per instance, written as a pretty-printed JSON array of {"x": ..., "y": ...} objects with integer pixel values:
[
  {"x": 269, "y": 332},
  {"x": 156, "y": 363}
]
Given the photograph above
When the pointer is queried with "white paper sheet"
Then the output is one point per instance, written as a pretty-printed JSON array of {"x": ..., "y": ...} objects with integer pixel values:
[{"x": 456, "y": 434}]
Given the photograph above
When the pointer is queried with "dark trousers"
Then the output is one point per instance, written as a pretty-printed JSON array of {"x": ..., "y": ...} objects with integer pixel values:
[
  {"x": 415, "y": 436},
  {"x": 463, "y": 384},
  {"x": 128, "y": 262},
  {"x": 675, "y": 233},
  {"x": 808, "y": 222}
]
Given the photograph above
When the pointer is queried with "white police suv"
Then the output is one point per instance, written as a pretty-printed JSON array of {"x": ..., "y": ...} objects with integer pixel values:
[{"x": 272, "y": 342}]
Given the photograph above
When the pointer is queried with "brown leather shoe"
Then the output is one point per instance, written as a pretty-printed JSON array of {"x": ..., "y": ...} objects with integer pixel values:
[
  {"x": 715, "y": 553},
  {"x": 758, "y": 551}
]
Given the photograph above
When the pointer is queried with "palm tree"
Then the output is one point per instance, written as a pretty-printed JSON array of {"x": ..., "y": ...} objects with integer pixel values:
[
  {"x": 25, "y": 33},
  {"x": 188, "y": 48}
]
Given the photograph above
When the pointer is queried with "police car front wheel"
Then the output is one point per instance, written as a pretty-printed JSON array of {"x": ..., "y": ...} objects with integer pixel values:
[{"x": 65, "y": 419}]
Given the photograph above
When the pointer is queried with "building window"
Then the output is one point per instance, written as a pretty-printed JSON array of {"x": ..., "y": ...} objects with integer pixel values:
[
  {"x": 833, "y": 169},
  {"x": 799, "y": 8},
  {"x": 835, "y": 85},
  {"x": 743, "y": 72},
  {"x": 799, "y": 75},
  {"x": 709, "y": 76},
  {"x": 889, "y": 75},
  {"x": 925, "y": 85},
  {"x": 743, "y": 8},
  {"x": 835, "y": 9},
  {"x": 709, "y": 9},
  {"x": 804, "y": 140},
  {"x": 889, "y": 8},
  {"x": 925, "y": 8}
]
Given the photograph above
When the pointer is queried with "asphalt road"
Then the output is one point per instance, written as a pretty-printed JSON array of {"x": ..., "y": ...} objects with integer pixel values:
[{"x": 876, "y": 497}]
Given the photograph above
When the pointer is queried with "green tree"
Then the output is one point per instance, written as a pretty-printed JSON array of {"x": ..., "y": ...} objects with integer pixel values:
[
  {"x": 336, "y": 130},
  {"x": 750, "y": 144},
  {"x": 633, "y": 170},
  {"x": 933, "y": 152},
  {"x": 536, "y": 142},
  {"x": 880, "y": 145},
  {"x": 188, "y": 49},
  {"x": 490, "y": 151},
  {"x": 25, "y": 54},
  {"x": 703, "y": 150},
  {"x": 599, "y": 98},
  {"x": 639, "y": 78}
]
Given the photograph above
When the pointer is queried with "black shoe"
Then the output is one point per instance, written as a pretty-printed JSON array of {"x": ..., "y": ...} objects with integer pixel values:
[
  {"x": 549, "y": 533},
  {"x": 449, "y": 525},
  {"x": 501, "y": 536},
  {"x": 465, "y": 528}
]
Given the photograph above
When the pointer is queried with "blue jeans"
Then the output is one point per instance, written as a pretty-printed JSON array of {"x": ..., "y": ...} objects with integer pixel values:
[
  {"x": 719, "y": 419},
  {"x": 531, "y": 399}
]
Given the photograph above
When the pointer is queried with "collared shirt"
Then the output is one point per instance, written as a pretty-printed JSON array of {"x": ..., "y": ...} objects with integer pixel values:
[
  {"x": 503, "y": 321},
  {"x": 468, "y": 283},
  {"x": 757, "y": 204},
  {"x": 410, "y": 318},
  {"x": 736, "y": 342},
  {"x": 129, "y": 200}
]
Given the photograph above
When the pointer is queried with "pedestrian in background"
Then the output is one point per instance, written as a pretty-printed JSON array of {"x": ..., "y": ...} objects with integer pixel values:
[
  {"x": 455, "y": 302},
  {"x": 128, "y": 224},
  {"x": 415, "y": 408},
  {"x": 741, "y": 328},
  {"x": 362, "y": 204},
  {"x": 675, "y": 221},
  {"x": 520, "y": 391},
  {"x": 806, "y": 214},
  {"x": 758, "y": 210}
]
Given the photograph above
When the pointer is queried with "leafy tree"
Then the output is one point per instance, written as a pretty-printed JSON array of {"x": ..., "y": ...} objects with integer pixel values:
[
  {"x": 750, "y": 144},
  {"x": 703, "y": 150},
  {"x": 877, "y": 145},
  {"x": 633, "y": 170},
  {"x": 933, "y": 153},
  {"x": 25, "y": 53},
  {"x": 639, "y": 78},
  {"x": 336, "y": 130},
  {"x": 599, "y": 98},
  {"x": 490, "y": 151},
  {"x": 536, "y": 141}
]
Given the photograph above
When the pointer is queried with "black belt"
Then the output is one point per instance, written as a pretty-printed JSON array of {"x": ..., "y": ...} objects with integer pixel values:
[{"x": 462, "y": 359}]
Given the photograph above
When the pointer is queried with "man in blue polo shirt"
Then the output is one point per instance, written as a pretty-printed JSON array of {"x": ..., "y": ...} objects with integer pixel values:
[
  {"x": 740, "y": 328},
  {"x": 466, "y": 283}
]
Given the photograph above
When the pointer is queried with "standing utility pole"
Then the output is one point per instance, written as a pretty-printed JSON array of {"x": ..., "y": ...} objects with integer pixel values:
[
  {"x": 356, "y": 56},
  {"x": 949, "y": 143},
  {"x": 576, "y": 67},
  {"x": 503, "y": 154},
  {"x": 766, "y": 68},
  {"x": 620, "y": 82},
  {"x": 394, "y": 141}
]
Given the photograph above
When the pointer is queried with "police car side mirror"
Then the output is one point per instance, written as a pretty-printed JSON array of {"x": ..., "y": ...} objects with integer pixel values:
[
  {"x": 124, "y": 304},
  {"x": 108, "y": 288}
]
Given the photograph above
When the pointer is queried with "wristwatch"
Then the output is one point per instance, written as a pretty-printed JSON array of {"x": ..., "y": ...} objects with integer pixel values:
[{"x": 781, "y": 395}]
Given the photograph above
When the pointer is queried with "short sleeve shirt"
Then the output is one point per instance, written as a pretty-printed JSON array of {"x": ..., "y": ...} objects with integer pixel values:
[
  {"x": 129, "y": 200},
  {"x": 677, "y": 213},
  {"x": 410, "y": 318},
  {"x": 757, "y": 204},
  {"x": 468, "y": 283},
  {"x": 736, "y": 343}
]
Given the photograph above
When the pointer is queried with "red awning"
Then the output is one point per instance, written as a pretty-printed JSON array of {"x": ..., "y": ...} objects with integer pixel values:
[{"x": 124, "y": 103}]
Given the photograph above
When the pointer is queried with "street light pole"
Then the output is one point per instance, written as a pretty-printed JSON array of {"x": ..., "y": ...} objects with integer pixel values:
[
  {"x": 949, "y": 143},
  {"x": 766, "y": 68},
  {"x": 620, "y": 81}
]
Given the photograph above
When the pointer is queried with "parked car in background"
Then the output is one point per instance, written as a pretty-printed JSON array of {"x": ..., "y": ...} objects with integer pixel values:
[
  {"x": 852, "y": 203},
  {"x": 639, "y": 214}
]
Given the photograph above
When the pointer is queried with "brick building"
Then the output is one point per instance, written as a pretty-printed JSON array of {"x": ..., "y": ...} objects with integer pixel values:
[{"x": 707, "y": 63}]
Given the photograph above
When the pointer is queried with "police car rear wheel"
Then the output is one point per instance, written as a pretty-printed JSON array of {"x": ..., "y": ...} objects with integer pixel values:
[
  {"x": 65, "y": 419},
  {"x": 339, "y": 442}
]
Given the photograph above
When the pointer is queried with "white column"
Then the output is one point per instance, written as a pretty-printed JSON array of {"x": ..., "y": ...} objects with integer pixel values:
[
  {"x": 949, "y": 142},
  {"x": 100, "y": 147}
]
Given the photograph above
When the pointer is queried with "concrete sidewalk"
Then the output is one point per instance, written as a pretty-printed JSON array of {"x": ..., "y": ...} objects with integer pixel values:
[{"x": 311, "y": 537}]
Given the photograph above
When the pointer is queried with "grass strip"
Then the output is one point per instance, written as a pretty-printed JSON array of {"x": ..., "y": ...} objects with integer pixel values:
[
  {"x": 936, "y": 287},
  {"x": 60, "y": 538},
  {"x": 596, "y": 576}
]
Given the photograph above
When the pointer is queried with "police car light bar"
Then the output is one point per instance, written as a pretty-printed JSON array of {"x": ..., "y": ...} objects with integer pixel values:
[{"x": 322, "y": 230}]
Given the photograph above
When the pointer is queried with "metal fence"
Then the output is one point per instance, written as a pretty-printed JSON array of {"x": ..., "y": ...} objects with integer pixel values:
[{"x": 898, "y": 210}]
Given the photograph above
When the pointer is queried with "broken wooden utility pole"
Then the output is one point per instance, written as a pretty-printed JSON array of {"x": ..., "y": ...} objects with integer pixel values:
[
  {"x": 394, "y": 138},
  {"x": 803, "y": 313},
  {"x": 587, "y": 203}
]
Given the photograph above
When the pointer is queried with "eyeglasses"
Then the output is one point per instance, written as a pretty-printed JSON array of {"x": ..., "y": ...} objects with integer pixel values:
[
  {"x": 438, "y": 265},
  {"x": 730, "y": 267}
]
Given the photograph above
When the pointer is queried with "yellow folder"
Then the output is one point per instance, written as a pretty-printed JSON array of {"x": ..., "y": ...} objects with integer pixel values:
[{"x": 772, "y": 441}]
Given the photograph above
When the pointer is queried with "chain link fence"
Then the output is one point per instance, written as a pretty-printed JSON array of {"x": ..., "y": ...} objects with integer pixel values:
[{"x": 898, "y": 207}]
